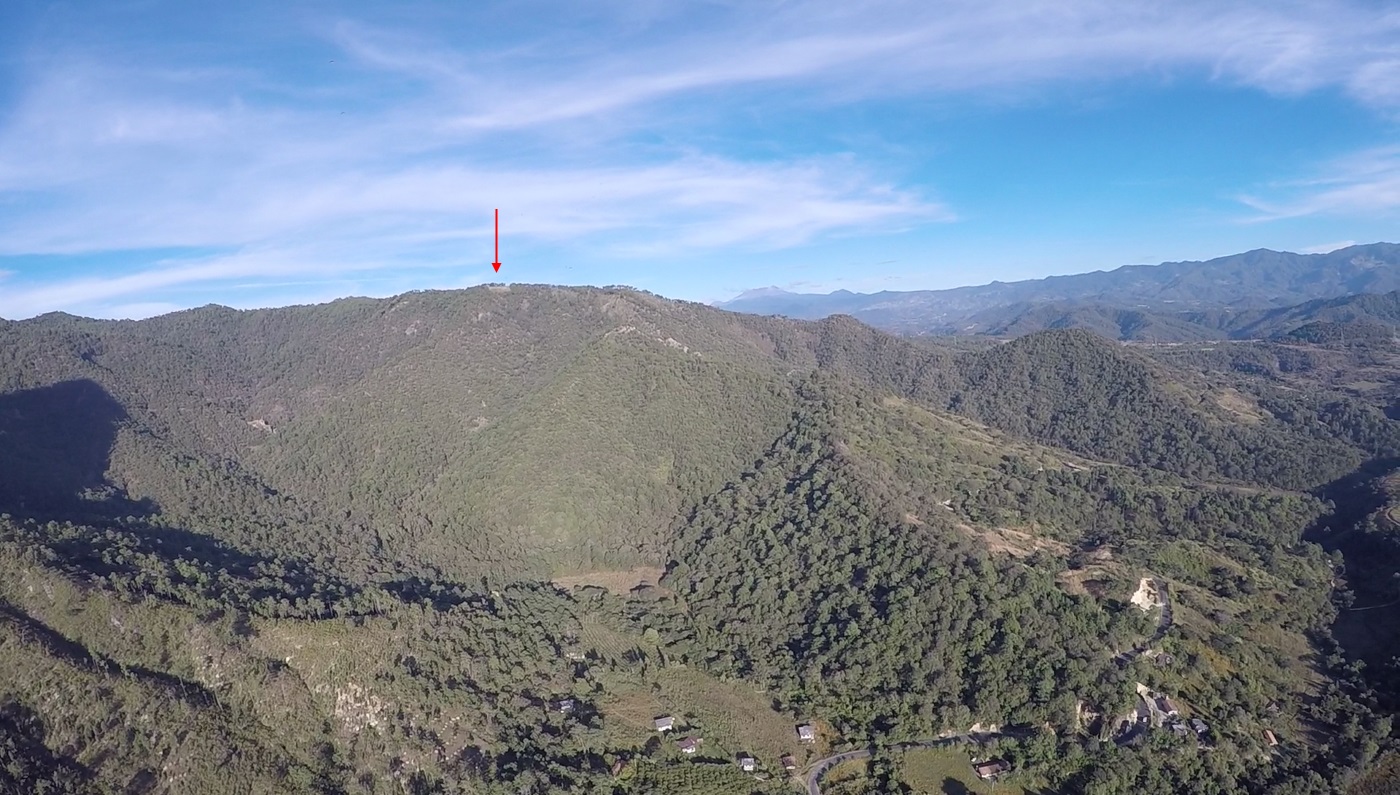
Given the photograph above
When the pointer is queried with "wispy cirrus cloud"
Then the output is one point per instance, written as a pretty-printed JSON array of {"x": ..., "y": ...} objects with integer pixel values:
[
  {"x": 846, "y": 50},
  {"x": 1363, "y": 183},
  {"x": 244, "y": 279},
  {"x": 1327, "y": 248},
  {"x": 413, "y": 221},
  {"x": 378, "y": 144}
]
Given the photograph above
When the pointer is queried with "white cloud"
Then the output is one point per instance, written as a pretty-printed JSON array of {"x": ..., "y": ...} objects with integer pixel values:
[
  {"x": 1327, "y": 248},
  {"x": 367, "y": 224},
  {"x": 847, "y": 49},
  {"x": 579, "y": 128},
  {"x": 248, "y": 279},
  {"x": 1364, "y": 183}
]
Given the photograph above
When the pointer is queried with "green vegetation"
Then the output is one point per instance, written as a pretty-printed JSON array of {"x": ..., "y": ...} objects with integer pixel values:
[
  {"x": 929, "y": 771},
  {"x": 311, "y": 550},
  {"x": 720, "y": 778}
]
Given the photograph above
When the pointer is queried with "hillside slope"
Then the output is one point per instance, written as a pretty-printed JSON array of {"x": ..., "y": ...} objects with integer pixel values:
[{"x": 324, "y": 537}]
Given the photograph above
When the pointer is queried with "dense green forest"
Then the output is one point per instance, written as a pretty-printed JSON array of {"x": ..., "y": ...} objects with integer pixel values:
[
  {"x": 376, "y": 547},
  {"x": 1363, "y": 319}
]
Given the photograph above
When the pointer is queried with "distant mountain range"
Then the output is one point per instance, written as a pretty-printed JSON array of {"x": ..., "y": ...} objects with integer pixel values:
[{"x": 1258, "y": 293}]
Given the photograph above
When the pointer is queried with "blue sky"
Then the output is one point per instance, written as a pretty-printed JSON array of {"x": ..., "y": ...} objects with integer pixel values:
[{"x": 156, "y": 155}]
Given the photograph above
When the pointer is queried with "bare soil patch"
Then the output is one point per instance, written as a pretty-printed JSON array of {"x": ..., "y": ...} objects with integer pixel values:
[
  {"x": 1017, "y": 543},
  {"x": 1147, "y": 595},
  {"x": 1241, "y": 406},
  {"x": 1095, "y": 581}
]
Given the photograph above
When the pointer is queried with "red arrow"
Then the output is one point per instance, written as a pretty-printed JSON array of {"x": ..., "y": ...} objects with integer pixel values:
[{"x": 497, "y": 263}]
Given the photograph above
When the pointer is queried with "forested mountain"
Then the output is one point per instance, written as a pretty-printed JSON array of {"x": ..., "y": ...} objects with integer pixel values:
[
  {"x": 476, "y": 541},
  {"x": 1357, "y": 318},
  {"x": 1139, "y": 301}
]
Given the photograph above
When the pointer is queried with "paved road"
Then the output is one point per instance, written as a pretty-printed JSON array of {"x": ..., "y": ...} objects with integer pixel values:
[
  {"x": 820, "y": 768},
  {"x": 814, "y": 778}
]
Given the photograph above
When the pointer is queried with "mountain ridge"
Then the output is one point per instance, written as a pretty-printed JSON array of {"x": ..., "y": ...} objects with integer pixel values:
[{"x": 1257, "y": 279}]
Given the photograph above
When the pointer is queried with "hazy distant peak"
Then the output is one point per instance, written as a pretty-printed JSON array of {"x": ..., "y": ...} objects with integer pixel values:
[
  {"x": 760, "y": 292},
  {"x": 1258, "y": 279}
]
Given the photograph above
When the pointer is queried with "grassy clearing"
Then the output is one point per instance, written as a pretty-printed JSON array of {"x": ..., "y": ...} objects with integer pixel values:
[
  {"x": 939, "y": 772},
  {"x": 699, "y": 778},
  {"x": 606, "y": 642},
  {"x": 731, "y": 716}
]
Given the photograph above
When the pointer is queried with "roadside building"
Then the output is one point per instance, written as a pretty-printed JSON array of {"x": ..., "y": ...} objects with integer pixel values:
[
  {"x": 789, "y": 763},
  {"x": 807, "y": 733},
  {"x": 991, "y": 769}
]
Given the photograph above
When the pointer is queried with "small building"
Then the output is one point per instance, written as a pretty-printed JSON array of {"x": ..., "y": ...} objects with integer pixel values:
[
  {"x": 565, "y": 706},
  {"x": 1270, "y": 739},
  {"x": 1180, "y": 730},
  {"x": 690, "y": 746},
  {"x": 807, "y": 733},
  {"x": 789, "y": 763},
  {"x": 665, "y": 723},
  {"x": 991, "y": 769},
  {"x": 1199, "y": 726},
  {"x": 1166, "y": 706},
  {"x": 748, "y": 764}
]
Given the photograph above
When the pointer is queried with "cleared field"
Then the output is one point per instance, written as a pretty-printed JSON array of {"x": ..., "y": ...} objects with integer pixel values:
[
  {"x": 945, "y": 772},
  {"x": 731, "y": 716},
  {"x": 607, "y": 642},
  {"x": 706, "y": 779}
]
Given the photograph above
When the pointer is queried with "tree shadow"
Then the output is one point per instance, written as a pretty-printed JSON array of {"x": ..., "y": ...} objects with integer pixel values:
[
  {"x": 31, "y": 630},
  {"x": 55, "y": 447},
  {"x": 441, "y": 595},
  {"x": 55, "y": 450},
  {"x": 952, "y": 786},
  {"x": 31, "y": 766}
]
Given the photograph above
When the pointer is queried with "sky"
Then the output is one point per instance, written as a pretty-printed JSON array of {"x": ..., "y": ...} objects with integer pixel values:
[{"x": 161, "y": 154}]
